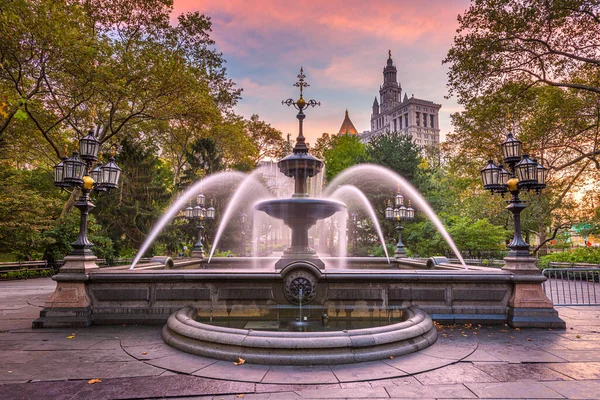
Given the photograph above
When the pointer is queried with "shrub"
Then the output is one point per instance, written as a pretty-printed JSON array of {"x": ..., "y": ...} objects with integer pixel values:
[{"x": 585, "y": 255}]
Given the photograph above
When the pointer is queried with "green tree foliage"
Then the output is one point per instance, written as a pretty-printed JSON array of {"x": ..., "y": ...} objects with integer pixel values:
[
  {"x": 397, "y": 152},
  {"x": 116, "y": 63},
  {"x": 28, "y": 204},
  {"x": 203, "y": 158},
  {"x": 478, "y": 235},
  {"x": 268, "y": 141},
  {"x": 129, "y": 212},
  {"x": 555, "y": 43},
  {"x": 345, "y": 151}
]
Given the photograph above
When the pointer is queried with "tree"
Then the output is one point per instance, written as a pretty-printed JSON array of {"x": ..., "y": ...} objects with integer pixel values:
[
  {"x": 324, "y": 142},
  {"x": 268, "y": 141},
  {"x": 345, "y": 151},
  {"x": 397, "y": 152},
  {"x": 111, "y": 63},
  {"x": 555, "y": 43},
  {"x": 128, "y": 213}
]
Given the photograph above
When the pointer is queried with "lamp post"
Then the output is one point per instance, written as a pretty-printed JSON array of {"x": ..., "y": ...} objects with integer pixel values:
[
  {"x": 70, "y": 304},
  {"x": 199, "y": 213},
  {"x": 523, "y": 173},
  {"x": 77, "y": 172},
  {"x": 399, "y": 213},
  {"x": 243, "y": 220},
  {"x": 528, "y": 305}
]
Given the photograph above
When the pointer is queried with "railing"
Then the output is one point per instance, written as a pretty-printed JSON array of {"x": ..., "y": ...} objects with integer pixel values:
[
  {"x": 25, "y": 269},
  {"x": 573, "y": 286}
]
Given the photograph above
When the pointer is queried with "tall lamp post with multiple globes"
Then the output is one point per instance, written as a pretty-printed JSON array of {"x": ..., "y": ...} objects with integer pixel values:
[
  {"x": 199, "y": 213},
  {"x": 399, "y": 213},
  {"x": 528, "y": 305},
  {"x": 77, "y": 172},
  {"x": 70, "y": 304},
  {"x": 524, "y": 173}
]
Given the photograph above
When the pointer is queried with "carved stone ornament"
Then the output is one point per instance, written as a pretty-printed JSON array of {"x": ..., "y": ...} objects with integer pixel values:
[{"x": 298, "y": 281}]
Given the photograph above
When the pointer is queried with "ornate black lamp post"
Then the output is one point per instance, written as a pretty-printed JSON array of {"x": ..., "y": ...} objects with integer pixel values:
[
  {"x": 243, "y": 220},
  {"x": 528, "y": 305},
  {"x": 523, "y": 173},
  {"x": 399, "y": 213},
  {"x": 77, "y": 171},
  {"x": 199, "y": 213}
]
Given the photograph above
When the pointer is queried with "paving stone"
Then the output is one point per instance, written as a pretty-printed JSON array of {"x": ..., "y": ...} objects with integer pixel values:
[
  {"x": 300, "y": 375},
  {"x": 88, "y": 370},
  {"x": 183, "y": 385},
  {"x": 578, "y": 371},
  {"x": 275, "y": 388},
  {"x": 520, "y": 372},
  {"x": 62, "y": 343},
  {"x": 136, "y": 368},
  {"x": 416, "y": 363},
  {"x": 42, "y": 390},
  {"x": 576, "y": 355},
  {"x": 513, "y": 390},
  {"x": 355, "y": 393},
  {"x": 85, "y": 356},
  {"x": 481, "y": 356},
  {"x": 365, "y": 371},
  {"x": 521, "y": 354},
  {"x": 155, "y": 350},
  {"x": 576, "y": 389},
  {"x": 19, "y": 356},
  {"x": 227, "y": 370},
  {"x": 184, "y": 363},
  {"x": 456, "y": 373},
  {"x": 107, "y": 344},
  {"x": 455, "y": 391}
]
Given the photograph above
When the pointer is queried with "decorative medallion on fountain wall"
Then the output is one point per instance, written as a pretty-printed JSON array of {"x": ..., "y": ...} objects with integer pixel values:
[{"x": 300, "y": 280}]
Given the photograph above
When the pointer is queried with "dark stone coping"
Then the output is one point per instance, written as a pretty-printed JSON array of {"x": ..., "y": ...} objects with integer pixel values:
[{"x": 391, "y": 276}]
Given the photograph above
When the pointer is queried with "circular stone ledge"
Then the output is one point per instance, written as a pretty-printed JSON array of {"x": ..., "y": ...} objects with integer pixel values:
[{"x": 299, "y": 348}]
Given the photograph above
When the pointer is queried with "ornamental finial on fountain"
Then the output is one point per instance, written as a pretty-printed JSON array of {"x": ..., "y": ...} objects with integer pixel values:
[{"x": 301, "y": 105}]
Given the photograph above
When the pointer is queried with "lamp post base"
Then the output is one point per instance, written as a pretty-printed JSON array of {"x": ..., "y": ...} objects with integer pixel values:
[
  {"x": 528, "y": 306},
  {"x": 70, "y": 304}
]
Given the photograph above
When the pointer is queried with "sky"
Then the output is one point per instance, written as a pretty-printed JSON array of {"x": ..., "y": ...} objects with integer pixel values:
[{"x": 342, "y": 46}]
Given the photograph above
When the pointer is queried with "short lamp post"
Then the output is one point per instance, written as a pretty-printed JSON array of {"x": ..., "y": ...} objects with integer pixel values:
[
  {"x": 399, "y": 213},
  {"x": 523, "y": 173},
  {"x": 77, "y": 172},
  {"x": 199, "y": 213}
]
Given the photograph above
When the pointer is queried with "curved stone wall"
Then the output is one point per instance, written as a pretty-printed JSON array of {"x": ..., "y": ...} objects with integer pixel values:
[{"x": 299, "y": 348}]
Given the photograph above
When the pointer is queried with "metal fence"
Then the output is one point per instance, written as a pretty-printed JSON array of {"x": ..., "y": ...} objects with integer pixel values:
[{"x": 573, "y": 286}]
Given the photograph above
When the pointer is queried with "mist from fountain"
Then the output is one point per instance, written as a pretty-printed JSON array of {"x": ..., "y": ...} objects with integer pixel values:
[
  {"x": 350, "y": 191},
  {"x": 244, "y": 195},
  {"x": 205, "y": 184},
  {"x": 369, "y": 172}
]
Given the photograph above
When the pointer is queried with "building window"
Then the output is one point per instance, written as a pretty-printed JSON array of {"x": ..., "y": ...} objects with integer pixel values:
[
  {"x": 395, "y": 128},
  {"x": 431, "y": 120},
  {"x": 425, "y": 120},
  {"x": 418, "y": 118}
]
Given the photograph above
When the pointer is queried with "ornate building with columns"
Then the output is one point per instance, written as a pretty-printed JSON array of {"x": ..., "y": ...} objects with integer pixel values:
[{"x": 407, "y": 115}]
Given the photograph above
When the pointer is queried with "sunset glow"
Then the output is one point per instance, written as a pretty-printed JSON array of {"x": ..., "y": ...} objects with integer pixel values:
[{"x": 342, "y": 46}]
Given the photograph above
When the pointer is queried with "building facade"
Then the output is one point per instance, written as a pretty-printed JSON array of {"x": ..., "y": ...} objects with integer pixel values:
[{"x": 407, "y": 115}]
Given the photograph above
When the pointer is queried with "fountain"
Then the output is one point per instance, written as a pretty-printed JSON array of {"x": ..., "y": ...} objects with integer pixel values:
[{"x": 302, "y": 308}]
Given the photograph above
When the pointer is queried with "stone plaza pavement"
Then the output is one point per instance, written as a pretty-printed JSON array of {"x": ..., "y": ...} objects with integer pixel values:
[{"x": 132, "y": 362}]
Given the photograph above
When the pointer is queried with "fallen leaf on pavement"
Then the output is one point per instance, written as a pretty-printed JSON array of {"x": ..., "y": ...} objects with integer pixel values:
[
  {"x": 92, "y": 381},
  {"x": 144, "y": 353},
  {"x": 240, "y": 361}
]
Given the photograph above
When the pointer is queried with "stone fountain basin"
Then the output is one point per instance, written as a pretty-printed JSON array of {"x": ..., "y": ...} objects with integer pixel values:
[
  {"x": 300, "y": 208},
  {"x": 183, "y": 332}
]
